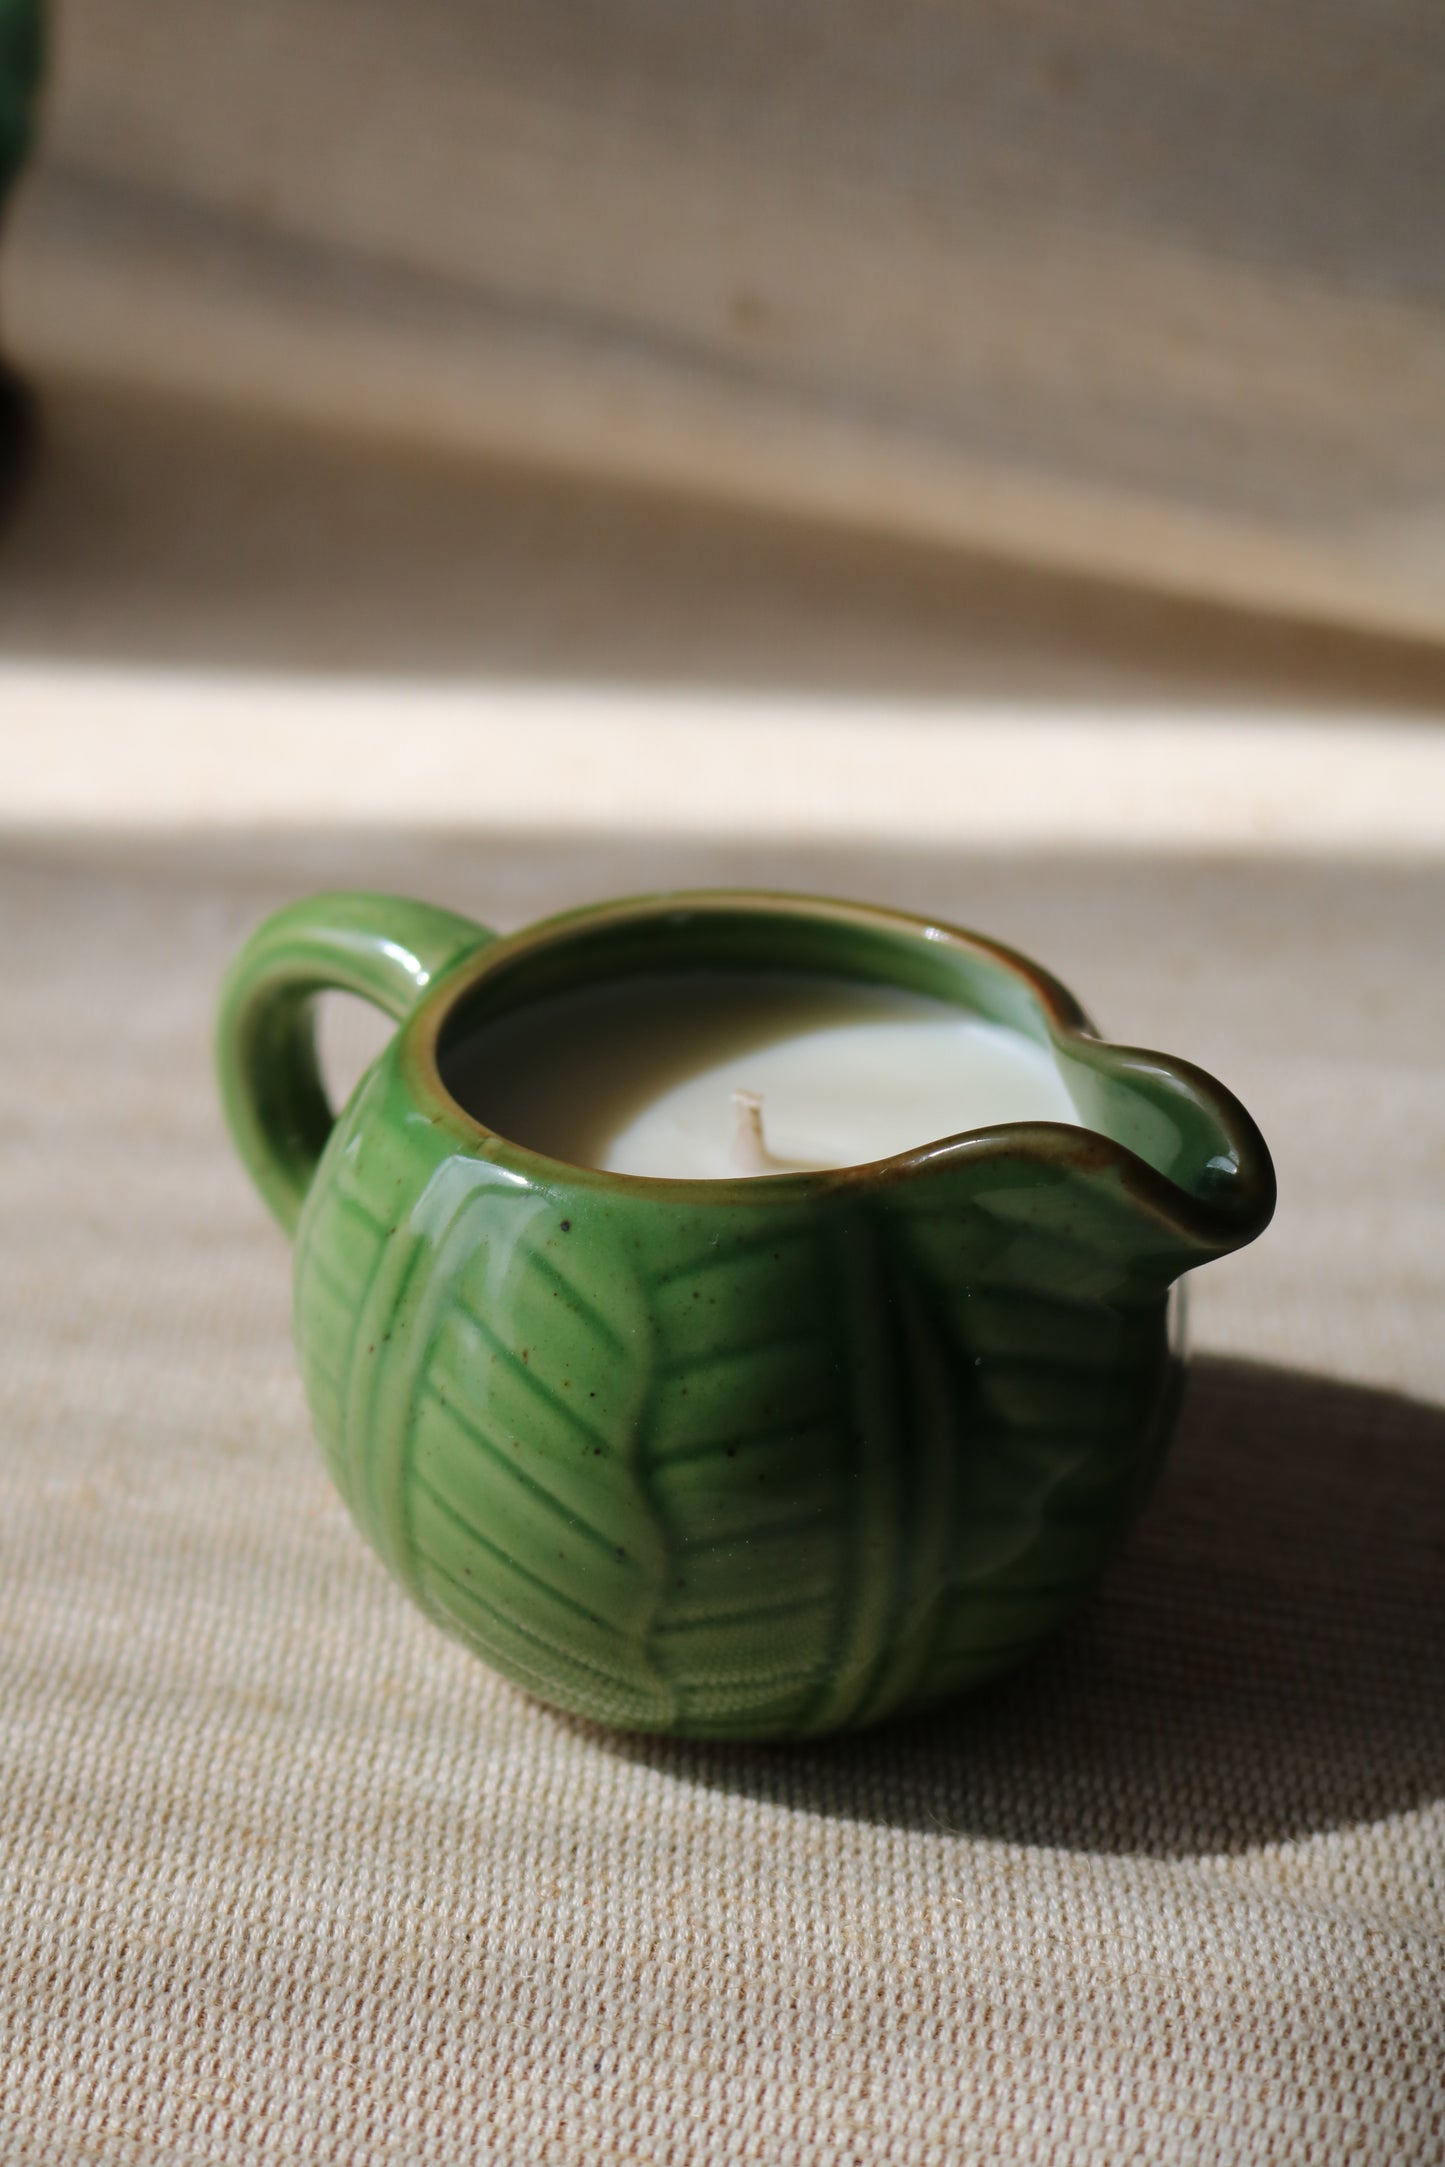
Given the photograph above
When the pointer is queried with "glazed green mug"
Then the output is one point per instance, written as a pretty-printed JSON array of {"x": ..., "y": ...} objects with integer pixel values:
[{"x": 741, "y": 1458}]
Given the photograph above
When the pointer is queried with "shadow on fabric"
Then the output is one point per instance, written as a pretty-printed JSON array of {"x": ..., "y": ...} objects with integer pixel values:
[{"x": 1266, "y": 1660}]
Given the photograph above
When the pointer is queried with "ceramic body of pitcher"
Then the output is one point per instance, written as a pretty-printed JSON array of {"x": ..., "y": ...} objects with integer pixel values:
[{"x": 740, "y": 1458}]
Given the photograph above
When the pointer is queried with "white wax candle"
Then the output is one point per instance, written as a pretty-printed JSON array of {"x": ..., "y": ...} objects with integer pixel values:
[{"x": 660, "y": 1074}]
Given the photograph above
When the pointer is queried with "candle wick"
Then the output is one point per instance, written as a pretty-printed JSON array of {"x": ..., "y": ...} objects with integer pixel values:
[{"x": 750, "y": 1153}]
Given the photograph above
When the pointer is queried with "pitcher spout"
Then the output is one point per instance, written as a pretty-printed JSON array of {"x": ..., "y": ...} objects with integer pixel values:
[
  {"x": 1165, "y": 1171},
  {"x": 1201, "y": 1167}
]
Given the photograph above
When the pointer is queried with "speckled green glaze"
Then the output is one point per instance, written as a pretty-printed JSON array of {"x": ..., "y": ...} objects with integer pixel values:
[{"x": 752, "y": 1458}]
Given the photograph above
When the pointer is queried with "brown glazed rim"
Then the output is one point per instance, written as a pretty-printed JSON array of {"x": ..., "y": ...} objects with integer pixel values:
[{"x": 1236, "y": 1216}]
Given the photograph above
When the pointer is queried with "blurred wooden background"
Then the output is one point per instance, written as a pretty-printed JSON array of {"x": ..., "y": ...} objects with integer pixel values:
[{"x": 1149, "y": 290}]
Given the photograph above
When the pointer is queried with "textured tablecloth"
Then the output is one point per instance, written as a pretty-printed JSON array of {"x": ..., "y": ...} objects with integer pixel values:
[
  {"x": 287, "y": 1875},
  {"x": 283, "y": 1874}
]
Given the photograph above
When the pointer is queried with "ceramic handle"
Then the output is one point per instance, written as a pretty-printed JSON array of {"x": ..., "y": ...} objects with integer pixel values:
[{"x": 384, "y": 948}]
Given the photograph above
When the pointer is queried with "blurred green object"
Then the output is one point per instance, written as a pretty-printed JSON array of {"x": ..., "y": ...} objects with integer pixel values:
[
  {"x": 21, "y": 54},
  {"x": 20, "y": 58}
]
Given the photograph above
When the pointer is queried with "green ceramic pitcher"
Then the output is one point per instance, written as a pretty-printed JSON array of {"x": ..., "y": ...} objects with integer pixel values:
[{"x": 744, "y": 1458}]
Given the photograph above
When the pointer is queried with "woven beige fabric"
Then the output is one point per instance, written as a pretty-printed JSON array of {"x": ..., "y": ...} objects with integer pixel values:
[
  {"x": 1147, "y": 287},
  {"x": 286, "y": 1876}
]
